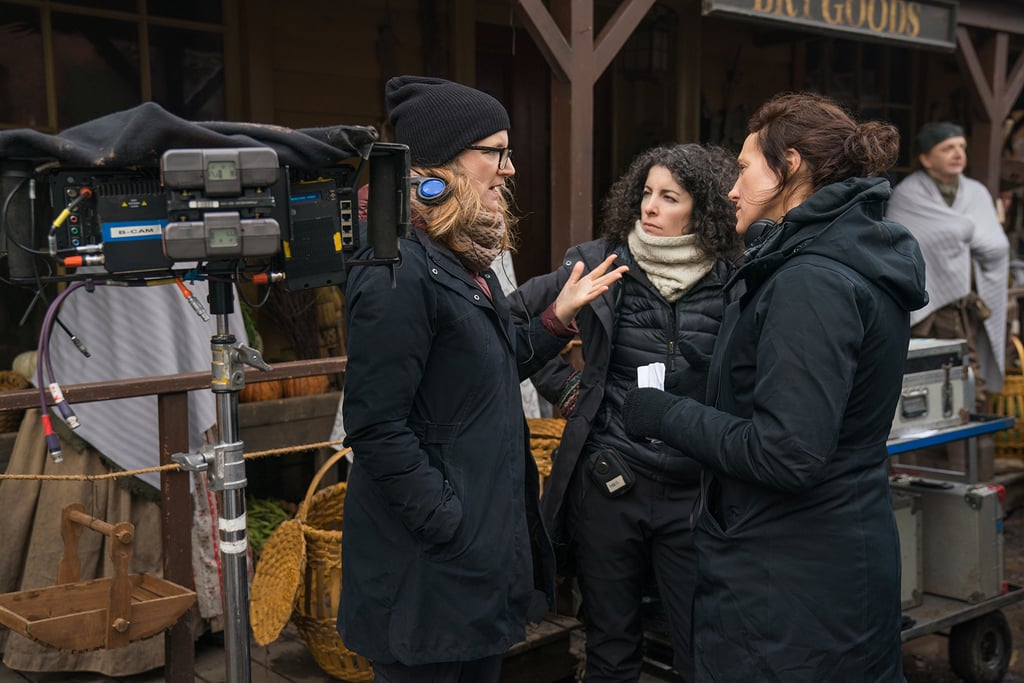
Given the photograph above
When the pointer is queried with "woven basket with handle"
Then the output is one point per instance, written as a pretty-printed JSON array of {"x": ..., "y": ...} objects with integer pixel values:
[
  {"x": 299, "y": 575},
  {"x": 1010, "y": 402},
  {"x": 316, "y": 605}
]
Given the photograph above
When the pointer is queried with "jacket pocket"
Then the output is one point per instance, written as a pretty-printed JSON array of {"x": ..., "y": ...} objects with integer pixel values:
[{"x": 443, "y": 524}]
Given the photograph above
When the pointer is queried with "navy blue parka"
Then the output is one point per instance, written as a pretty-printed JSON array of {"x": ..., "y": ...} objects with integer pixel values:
[{"x": 443, "y": 548}]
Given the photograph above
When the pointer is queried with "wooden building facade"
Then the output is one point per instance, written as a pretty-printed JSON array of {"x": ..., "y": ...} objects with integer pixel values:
[{"x": 588, "y": 83}]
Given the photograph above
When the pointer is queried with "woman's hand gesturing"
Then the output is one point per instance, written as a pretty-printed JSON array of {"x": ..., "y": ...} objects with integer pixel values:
[{"x": 580, "y": 289}]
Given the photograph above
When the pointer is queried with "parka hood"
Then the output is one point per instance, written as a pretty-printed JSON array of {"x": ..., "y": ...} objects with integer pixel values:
[{"x": 882, "y": 251}]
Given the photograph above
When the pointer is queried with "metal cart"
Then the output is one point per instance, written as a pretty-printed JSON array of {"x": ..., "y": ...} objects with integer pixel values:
[{"x": 980, "y": 641}]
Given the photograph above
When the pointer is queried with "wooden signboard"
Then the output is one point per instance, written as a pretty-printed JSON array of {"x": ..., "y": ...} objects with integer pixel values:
[{"x": 920, "y": 23}]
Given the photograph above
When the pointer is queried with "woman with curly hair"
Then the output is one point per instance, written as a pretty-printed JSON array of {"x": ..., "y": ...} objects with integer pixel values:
[{"x": 619, "y": 507}]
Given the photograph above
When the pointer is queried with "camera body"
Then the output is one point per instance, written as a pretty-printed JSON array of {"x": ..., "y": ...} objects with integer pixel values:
[{"x": 125, "y": 216}]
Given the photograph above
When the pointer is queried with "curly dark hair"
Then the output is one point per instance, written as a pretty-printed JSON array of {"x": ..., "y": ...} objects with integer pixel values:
[{"x": 707, "y": 172}]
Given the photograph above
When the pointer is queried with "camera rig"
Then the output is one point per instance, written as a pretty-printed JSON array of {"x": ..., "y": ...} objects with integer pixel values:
[
  {"x": 141, "y": 196},
  {"x": 232, "y": 210}
]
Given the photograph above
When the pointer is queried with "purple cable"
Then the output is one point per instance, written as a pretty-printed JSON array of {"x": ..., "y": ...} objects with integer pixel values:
[{"x": 44, "y": 341}]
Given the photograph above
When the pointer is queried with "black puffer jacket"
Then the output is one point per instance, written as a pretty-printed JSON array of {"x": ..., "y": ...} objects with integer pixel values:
[
  {"x": 628, "y": 326},
  {"x": 798, "y": 553}
]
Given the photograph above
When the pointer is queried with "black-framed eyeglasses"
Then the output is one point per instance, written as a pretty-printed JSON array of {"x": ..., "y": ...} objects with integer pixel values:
[{"x": 504, "y": 153}]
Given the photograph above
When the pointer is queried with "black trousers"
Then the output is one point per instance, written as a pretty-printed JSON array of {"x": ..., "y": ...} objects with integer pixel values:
[
  {"x": 620, "y": 543},
  {"x": 487, "y": 670}
]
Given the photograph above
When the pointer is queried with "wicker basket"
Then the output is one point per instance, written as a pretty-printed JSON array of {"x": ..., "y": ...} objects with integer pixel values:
[
  {"x": 10, "y": 420},
  {"x": 316, "y": 605},
  {"x": 545, "y": 435},
  {"x": 1010, "y": 402},
  {"x": 278, "y": 572},
  {"x": 299, "y": 575}
]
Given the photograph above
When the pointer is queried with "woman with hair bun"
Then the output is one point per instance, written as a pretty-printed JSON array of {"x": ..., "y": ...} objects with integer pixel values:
[{"x": 798, "y": 564}]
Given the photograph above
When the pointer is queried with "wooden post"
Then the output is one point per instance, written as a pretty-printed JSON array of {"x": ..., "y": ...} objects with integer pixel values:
[
  {"x": 176, "y": 522},
  {"x": 997, "y": 92},
  {"x": 576, "y": 64}
]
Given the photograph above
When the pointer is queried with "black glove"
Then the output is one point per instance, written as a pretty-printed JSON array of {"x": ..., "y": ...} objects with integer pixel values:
[{"x": 643, "y": 410}]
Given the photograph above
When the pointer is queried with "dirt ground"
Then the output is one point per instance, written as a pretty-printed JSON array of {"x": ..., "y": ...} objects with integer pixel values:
[{"x": 925, "y": 660}]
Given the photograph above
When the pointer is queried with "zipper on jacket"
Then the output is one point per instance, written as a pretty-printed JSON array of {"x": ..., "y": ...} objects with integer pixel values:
[{"x": 670, "y": 365}]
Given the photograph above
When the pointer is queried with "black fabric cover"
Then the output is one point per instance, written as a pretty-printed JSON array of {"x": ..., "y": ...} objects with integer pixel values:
[{"x": 140, "y": 135}]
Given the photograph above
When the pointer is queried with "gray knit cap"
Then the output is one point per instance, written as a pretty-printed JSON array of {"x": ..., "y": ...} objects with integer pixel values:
[
  {"x": 438, "y": 118},
  {"x": 933, "y": 133}
]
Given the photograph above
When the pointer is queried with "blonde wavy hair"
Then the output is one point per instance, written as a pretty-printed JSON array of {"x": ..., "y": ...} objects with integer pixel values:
[{"x": 447, "y": 220}]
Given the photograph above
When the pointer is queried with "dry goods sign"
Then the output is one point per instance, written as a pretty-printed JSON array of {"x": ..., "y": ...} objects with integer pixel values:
[{"x": 921, "y": 23}]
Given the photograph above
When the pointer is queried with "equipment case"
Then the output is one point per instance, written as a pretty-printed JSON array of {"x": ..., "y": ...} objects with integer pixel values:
[
  {"x": 938, "y": 387},
  {"x": 907, "y": 509},
  {"x": 962, "y": 532}
]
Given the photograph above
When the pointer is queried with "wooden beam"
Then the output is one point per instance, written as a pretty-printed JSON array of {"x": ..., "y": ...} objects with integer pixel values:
[
  {"x": 990, "y": 14},
  {"x": 687, "y": 53},
  {"x": 169, "y": 384},
  {"x": 1014, "y": 86},
  {"x": 580, "y": 221},
  {"x": 256, "y": 46},
  {"x": 561, "y": 170},
  {"x": 233, "y": 75},
  {"x": 581, "y": 154},
  {"x": 998, "y": 59},
  {"x": 971, "y": 63},
  {"x": 997, "y": 95},
  {"x": 985, "y": 154},
  {"x": 617, "y": 31},
  {"x": 548, "y": 37}
]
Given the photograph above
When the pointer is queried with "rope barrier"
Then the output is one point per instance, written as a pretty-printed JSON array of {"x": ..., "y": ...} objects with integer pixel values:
[{"x": 161, "y": 468}]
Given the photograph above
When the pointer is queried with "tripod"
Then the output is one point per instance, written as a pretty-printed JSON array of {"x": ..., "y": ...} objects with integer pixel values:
[{"x": 225, "y": 464}]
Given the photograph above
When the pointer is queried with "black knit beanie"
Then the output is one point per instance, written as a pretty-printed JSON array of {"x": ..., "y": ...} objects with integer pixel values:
[
  {"x": 933, "y": 133},
  {"x": 438, "y": 118}
]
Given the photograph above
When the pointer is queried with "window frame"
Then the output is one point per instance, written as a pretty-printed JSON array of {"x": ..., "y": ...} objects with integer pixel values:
[{"x": 227, "y": 29}]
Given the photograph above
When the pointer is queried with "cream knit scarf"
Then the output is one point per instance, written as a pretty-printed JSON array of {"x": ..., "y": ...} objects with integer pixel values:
[{"x": 672, "y": 264}]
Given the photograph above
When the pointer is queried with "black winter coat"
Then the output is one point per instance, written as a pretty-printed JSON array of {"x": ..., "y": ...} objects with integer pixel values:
[
  {"x": 443, "y": 545},
  {"x": 798, "y": 553},
  {"x": 658, "y": 331}
]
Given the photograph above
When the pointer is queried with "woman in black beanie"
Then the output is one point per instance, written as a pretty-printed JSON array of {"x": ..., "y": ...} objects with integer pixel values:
[{"x": 444, "y": 556}]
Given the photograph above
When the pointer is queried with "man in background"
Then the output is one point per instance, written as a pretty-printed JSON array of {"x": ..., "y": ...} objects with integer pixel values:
[{"x": 965, "y": 249}]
